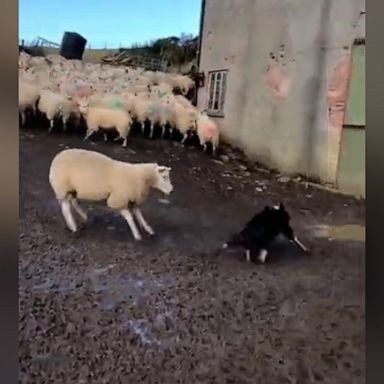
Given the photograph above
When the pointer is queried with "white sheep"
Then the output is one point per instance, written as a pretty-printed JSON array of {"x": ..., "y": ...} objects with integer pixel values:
[
  {"x": 207, "y": 131},
  {"x": 157, "y": 113},
  {"x": 107, "y": 119},
  {"x": 106, "y": 101},
  {"x": 183, "y": 119},
  {"x": 55, "y": 105},
  {"x": 185, "y": 84},
  {"x": 88, "y": 175},
  {"x": 28, "y": 97},
  {"x": 139, "y": 109}
]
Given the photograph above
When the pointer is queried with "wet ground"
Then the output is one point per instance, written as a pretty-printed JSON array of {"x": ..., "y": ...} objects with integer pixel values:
[{"x": 97, "y": 307}]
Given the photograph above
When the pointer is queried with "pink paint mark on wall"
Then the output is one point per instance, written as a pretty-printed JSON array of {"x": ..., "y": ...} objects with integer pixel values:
[
  {"x": 277, "y": 80},
  {"x": 337, "y": 93}
]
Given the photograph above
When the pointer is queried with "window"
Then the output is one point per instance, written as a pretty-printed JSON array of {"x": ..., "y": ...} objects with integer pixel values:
[{"x": 217, "y": 81}]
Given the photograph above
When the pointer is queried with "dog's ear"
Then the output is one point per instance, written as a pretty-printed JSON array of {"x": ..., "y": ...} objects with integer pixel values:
[{"x": 281, "y": 207}]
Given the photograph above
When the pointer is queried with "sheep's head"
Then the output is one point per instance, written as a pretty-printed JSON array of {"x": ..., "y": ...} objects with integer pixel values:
[
  {"x": 193, "y": 120},
  {"x": 83, "y": 105},
  {"x": 163, "y": 181}
]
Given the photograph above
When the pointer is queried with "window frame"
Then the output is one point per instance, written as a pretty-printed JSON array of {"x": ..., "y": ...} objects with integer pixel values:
[{"x": 214, "y": 96}]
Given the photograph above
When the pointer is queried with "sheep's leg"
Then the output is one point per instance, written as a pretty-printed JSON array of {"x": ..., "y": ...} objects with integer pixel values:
[
  {"x": 65, "y": 120},
  {"x": 124, "y": 142},
  {"x": 78, "y": 209},
  {"x": 152, "y": 130},
  {"x": 66, "y": 211},
  {"x": 185, "y": 137},
  {"x": 142, "y": 222},
  {"x": 23, "y": 117},
  {"x": 162, "y": 131},
  {"x": 129, "y": 218},
  {"x": 51, "y": 124},
  {"x": 248, "y": 255},
  {"x": 89, "y": 133},
  {"x": 105, "y": 136},
  {"x": 204, "y": 147},
  {"x": 142, "y": 127}
]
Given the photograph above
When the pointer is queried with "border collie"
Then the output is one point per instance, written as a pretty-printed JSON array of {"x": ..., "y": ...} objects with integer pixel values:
[{"x": 262, "y": 230}]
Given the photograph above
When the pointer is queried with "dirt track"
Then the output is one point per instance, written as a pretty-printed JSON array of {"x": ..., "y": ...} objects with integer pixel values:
[{"x": 97, "y": 307}]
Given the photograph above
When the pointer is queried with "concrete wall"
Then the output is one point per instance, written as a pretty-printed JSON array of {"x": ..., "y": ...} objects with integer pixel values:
[{"x": 289, "y": 66}]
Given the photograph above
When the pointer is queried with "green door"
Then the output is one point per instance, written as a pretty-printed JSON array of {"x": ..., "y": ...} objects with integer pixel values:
[
  {"x": 355, "y": 113},
  {"x": 351, "y": 172}
]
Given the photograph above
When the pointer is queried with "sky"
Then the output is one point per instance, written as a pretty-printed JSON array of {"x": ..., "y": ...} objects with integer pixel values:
[{"x": 113, "y": 23}]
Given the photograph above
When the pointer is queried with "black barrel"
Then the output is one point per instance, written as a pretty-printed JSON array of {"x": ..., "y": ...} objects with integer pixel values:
[{"x": 72, "y": 46}]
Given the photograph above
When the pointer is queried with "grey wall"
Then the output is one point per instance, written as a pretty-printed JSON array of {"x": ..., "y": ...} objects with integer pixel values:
[{"x": 285, "y": 114}]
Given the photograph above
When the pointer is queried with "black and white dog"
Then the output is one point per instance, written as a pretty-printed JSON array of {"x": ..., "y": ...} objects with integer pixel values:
[{"x": 262, "y": 230}]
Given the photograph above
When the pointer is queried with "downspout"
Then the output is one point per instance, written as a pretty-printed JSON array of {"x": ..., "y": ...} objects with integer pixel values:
[
  {"x": 320, "y": 69},
  {"x": 202, "y": 14}
]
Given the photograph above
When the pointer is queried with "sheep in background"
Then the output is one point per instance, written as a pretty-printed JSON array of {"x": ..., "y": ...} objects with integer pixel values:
[
  {"x": 145, "y": 95},
  {"x": 106, "y": 101},
  {"x": 29, "y": 95},
  {"x": 139, "y": 110},
  {"x": 107, "y": 119},
  {"x": 157, "y": 113},
  {"x": 207, "y": 131},
  {"x": 185, "y": 84},
  {"x": 55, "y": 105},
  {"x": 184, "y": 120},
  {"x": 88, "y": 175}
]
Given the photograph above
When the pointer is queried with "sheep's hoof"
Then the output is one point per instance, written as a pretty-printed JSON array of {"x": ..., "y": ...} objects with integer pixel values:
[
  {"x": 81, "y": 227},
  {"x": 138, "y": 238},
  {"x": 83, "y": 221},
  {"x": 72, "y": 230}
]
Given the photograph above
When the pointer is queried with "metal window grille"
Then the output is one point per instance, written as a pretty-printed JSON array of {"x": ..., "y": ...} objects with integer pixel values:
[{"x": 217, "y": 82}]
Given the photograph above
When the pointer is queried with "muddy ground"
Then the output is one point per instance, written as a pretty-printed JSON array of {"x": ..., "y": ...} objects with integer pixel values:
[{"x": 97, "y": 307}]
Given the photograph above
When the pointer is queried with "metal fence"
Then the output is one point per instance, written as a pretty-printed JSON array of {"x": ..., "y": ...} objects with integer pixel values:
[
  {"x": 147, "y": 62},
  {"x": 152, "y": 64}
]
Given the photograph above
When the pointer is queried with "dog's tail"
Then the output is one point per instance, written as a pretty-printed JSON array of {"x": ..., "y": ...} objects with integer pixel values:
[{"x": 235, "y": 240}]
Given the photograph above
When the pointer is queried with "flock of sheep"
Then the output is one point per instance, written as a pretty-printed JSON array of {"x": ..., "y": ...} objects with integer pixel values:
[
  {"x": 110, "y": 98},
  {"x": 71, "y": 92}
]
